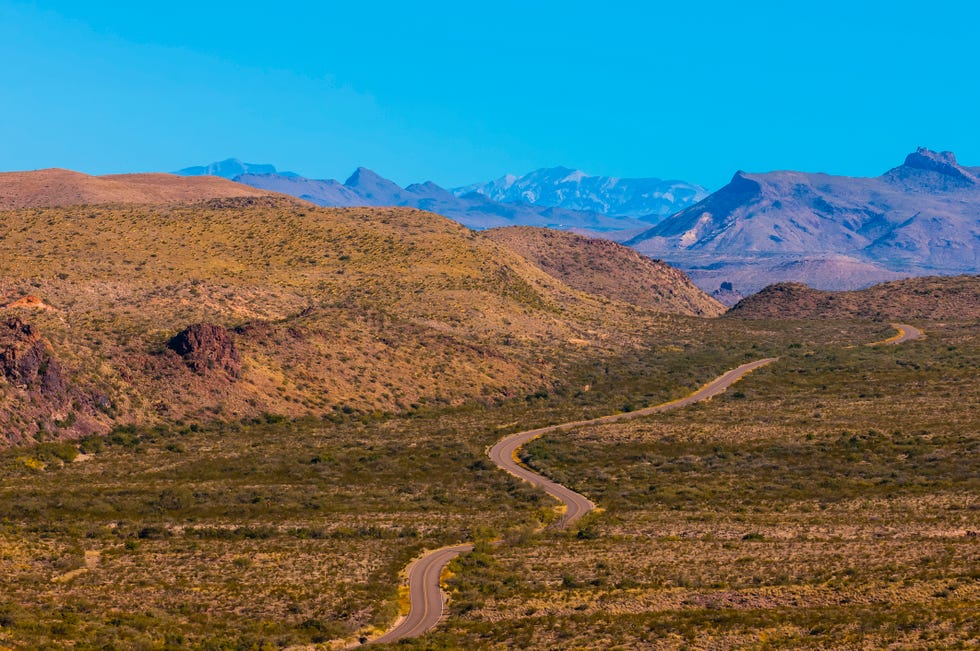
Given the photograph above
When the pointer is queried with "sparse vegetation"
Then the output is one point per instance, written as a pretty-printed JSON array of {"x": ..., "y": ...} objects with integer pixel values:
[
  {"x": 804, "y": 514},
  {"x": 739, "y": 517},
  {"x": 827, "y": 501}
]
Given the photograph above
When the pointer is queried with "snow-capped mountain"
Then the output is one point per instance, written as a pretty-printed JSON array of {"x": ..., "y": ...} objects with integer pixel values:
[{"x": 650, "y": 199}]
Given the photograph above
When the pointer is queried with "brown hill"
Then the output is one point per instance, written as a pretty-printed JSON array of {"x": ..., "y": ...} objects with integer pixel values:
[
  {"x": 231, "y": 308},
  {"x": 58, "y": 187},
  {"x": 925, "y": 298},
  {"x": 607, "y": 269}
]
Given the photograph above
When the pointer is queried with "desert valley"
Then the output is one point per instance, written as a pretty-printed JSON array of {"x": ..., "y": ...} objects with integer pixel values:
[
  {"x": 506, "y": 326},
  {"x": 232, "y": 418}
]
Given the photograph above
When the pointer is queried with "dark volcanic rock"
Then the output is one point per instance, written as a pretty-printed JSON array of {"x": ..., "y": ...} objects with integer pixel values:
[
  {"x": 207, "y": 347},
  {"x": 26, "y": 359}
]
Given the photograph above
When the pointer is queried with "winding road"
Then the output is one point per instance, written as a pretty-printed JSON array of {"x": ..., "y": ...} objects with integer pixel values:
[
  {"x": 504, "y": 452},
  {"x": 425, "y": 593},
  {"x": 905, "y": 333}
]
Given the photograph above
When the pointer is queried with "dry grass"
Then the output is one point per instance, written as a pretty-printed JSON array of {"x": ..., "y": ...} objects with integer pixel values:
[
  {"x": 792, "y": 511},
  {"x": 56, "y": 187},
  {"x": 363, "y": 309}
]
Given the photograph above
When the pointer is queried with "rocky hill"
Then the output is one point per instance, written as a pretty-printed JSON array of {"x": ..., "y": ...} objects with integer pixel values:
[
  {"x": 831, "y": 232},
  {"x": 925, "y": 298},
  {"x": 236, "y": 307},
  {"x": 648, "y": 199},
  {"x": 57, "y": 187},
  {"x": 607, "y": 269}
]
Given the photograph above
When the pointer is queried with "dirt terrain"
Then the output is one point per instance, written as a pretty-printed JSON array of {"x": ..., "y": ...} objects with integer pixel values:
[{"x": 58, "y": 187}]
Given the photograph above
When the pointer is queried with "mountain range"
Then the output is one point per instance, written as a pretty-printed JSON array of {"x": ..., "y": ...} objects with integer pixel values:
[
  {"x": 561, "y": 198},
  {"x": 831, "y": 232},
  {"x": 647, "y": 199}
]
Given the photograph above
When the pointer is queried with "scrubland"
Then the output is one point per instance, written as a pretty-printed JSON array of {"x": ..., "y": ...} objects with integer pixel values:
[{"x": 825, "y": 500}]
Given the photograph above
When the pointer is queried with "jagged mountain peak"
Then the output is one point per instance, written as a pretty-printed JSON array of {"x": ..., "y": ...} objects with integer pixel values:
[
  {"x": 835, "y": 232},
  {"x": 934, "y": 171},
  {"x": 649, "y": 199},
  {"x": 943, "y": 162},
  {"x": 364, "y": 175},
  {"x": 928, "y": 159}
]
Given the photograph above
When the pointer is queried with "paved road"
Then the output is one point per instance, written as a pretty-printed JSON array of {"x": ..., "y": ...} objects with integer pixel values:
[
  {"x": 504, "y": 452},
  {"x": 905, "y": 333},
  {"x": 426, "y": 596},
  {"x": 424, "y": 593}
]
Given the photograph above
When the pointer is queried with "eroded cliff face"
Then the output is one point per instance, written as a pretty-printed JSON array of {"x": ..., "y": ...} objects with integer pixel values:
[
  {"x": 28, "y": 363},
  {"x": 33, "y": 383},
  {"x": 205, "y": 348}
]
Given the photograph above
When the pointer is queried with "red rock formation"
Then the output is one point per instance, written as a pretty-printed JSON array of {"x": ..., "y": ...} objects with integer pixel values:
[
  {"x": 27, "y": 361},
  {"x": 207, "y": 347}
]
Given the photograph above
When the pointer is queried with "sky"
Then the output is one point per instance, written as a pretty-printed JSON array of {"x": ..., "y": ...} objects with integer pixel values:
[{"x": 460, "y": 92}]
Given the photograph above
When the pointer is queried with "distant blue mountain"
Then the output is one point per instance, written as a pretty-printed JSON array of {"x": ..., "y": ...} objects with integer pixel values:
[
  {"x": 831, "y": 232},
  {"x": 366, "y": 188},
  {"x": 231, "y": 168},
  {"x": 648, "y": 199}
]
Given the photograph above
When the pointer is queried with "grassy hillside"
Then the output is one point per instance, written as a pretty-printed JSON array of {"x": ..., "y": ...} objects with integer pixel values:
[
  {"x": 327, "y": 310},
  {"x": 929, "y": 297},
  {"x": 608, "y": 269},
  {"x": 57, "y": 187}
]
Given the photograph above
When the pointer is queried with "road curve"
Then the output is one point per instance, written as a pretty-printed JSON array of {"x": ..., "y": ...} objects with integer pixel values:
[
  {"x": 424, "y": 593},
  {"x": 905, "y": 333},
  {"x": 504, "y": 452}
]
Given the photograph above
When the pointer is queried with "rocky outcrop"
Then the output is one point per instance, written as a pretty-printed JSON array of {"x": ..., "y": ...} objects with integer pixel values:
[
  {"x": 207, "y": 348},
  {"x": 726, "y": 294},
  {"x": 38, "y": 395},
  {"x": 27, "y": 360},
  {"x": 943, "y": 163}
]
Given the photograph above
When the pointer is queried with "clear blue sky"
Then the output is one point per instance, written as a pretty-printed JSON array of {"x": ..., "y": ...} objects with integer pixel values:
[{"x": 465, "y": 91}]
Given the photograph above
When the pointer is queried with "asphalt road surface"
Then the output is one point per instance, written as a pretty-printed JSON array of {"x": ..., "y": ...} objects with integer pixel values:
[
  {"x": 504, "y": 452},
  {"x": 424, "y": 593},
  {"x": 905, "y": 333}
]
